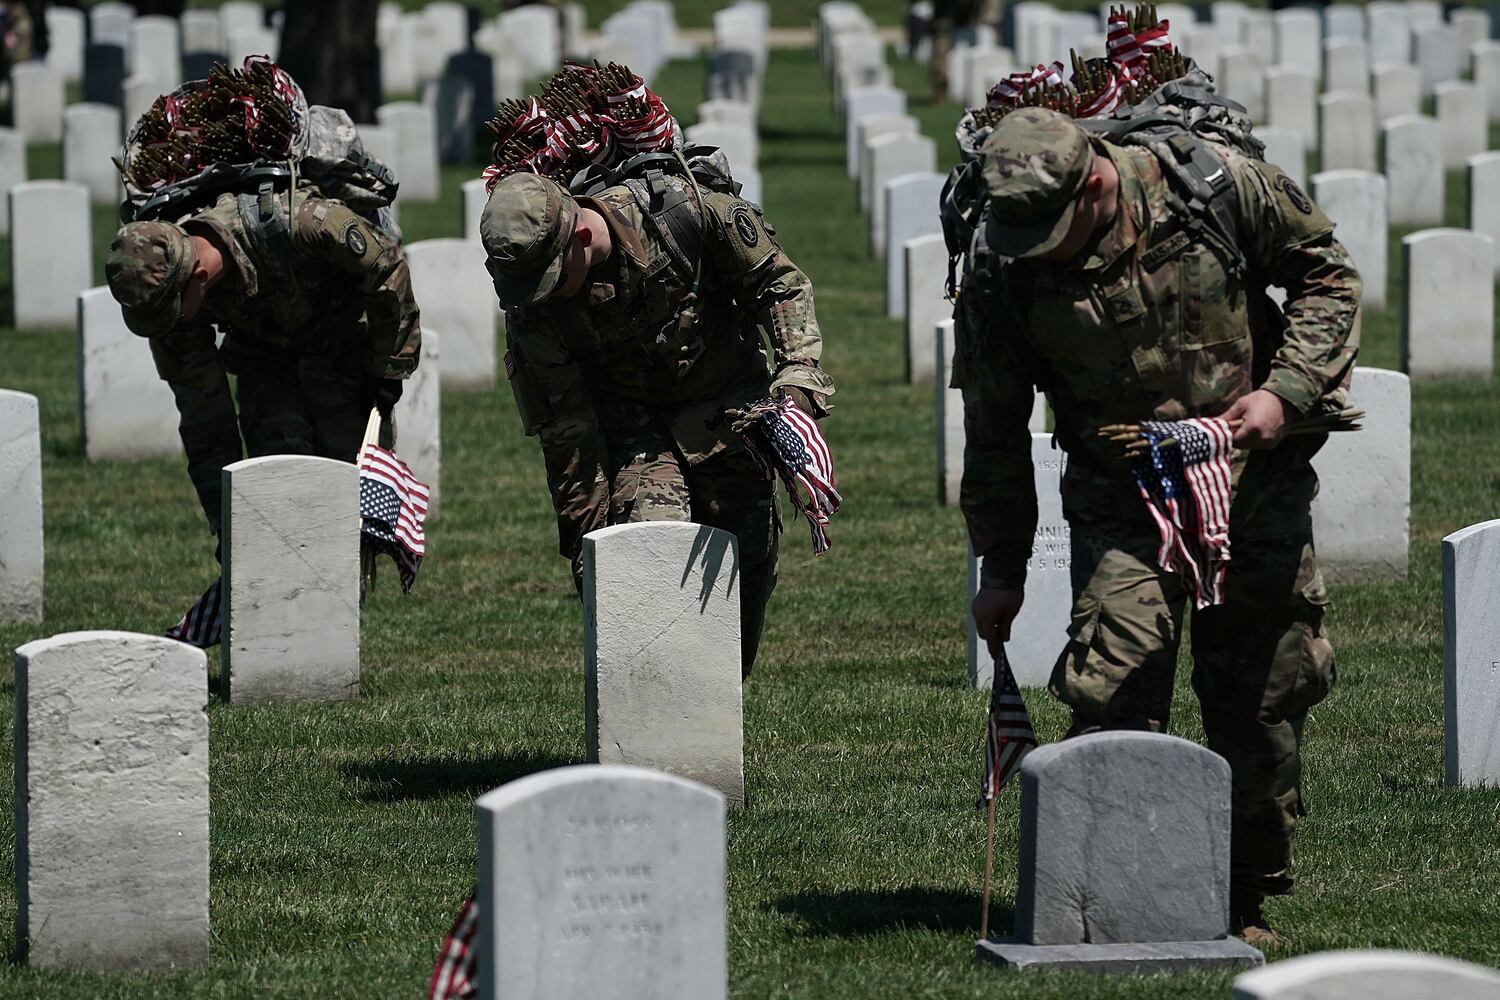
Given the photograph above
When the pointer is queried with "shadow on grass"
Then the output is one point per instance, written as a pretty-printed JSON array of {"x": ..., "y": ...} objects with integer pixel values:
[
  {"x": 436, "y": 777},
  {"x": 859, "y": 912}
]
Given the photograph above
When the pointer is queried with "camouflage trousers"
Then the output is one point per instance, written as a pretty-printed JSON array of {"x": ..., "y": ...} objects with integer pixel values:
[
  {"x": 1260, "y": 660},
  {"x": 651, "y": 481},
  {"x": 304, "y": 410}
]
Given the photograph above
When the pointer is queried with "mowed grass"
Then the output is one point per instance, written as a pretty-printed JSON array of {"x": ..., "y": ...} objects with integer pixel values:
[{"x": 343, "y": 837}]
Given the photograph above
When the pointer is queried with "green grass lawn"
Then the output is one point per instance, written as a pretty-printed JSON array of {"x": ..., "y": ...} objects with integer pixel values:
[{"x": 343, "y": 836}]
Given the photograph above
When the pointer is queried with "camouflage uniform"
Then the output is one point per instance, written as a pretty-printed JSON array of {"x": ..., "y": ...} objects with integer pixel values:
[
  {"x": 627, "y": 397},
  {"x": 307, "y": 325},
  {"x": 1149, "y": 324}
]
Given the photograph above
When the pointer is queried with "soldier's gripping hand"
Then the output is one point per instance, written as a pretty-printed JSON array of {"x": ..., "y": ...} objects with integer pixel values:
[
  {"x": 1263, "y": 418},
  {"x": 994, "y": 610},
  {"x": 800, "y": 399},
  {"x": 384, "y": 394}
]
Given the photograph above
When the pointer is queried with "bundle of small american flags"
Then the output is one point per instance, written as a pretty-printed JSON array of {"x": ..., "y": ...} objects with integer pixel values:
[
  {"x": 392, "y": 508},
  {"x": 1185, "y": 478},
  {"x": 455, "y": 976},
  {"x": 1009, "y": 736},
  {"x": 787, "y": 443}
]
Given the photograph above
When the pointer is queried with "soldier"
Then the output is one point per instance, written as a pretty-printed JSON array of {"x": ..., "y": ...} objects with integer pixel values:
[
  {"x": 317, "y": 314},
  {"x": 628, "y": 373},
  {"x": 1122, "y": 310}
]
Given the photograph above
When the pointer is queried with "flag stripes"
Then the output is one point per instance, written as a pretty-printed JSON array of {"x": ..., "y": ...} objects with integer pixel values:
[
  {"x": 202, "y": 626},
  {"x": 456, "y": 974},
  {"x": 1187, "y": 490},
  {"x": 1009, "y": 736},
  {"x": 788, "y": 444}
]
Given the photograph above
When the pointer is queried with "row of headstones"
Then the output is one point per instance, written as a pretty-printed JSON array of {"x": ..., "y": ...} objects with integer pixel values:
[
  {"x": 153, "y": 43},
  {"x": 663, "y": 690}
]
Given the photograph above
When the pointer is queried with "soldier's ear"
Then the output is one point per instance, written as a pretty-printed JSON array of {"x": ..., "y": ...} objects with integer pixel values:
[{"x": 583, "y": 234}]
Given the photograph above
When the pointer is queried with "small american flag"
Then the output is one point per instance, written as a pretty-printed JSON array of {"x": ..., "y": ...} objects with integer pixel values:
[
  {"x": 1009, "y": 736},
  {"x": 787, "y": 441},
  {"x": 1187, "y": 491},
  {"x": 392, "y": 507},
  {"x": 456, "y": 974},
  {"x": 202, "y": 624}
]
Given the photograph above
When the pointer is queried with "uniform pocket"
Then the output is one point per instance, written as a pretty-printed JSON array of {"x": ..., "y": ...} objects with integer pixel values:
[{"x": 531, "y": 403}]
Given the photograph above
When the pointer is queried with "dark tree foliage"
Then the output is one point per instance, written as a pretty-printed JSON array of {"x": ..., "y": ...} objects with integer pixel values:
[{"x": 329, "y": 48}]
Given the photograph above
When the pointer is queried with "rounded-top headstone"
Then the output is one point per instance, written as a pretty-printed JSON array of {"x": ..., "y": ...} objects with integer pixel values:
[
  {"x": 1368, "y": 975},
  {"x": 112, "y": 802},
  {"x": 21, "y": 550},
  {"x": 602, "y": 882},
  {"x": 1125, "y": 838}
]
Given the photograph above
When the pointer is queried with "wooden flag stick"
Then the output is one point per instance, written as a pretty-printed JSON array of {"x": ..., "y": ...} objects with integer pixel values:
[{"x": 989, "y": 868}]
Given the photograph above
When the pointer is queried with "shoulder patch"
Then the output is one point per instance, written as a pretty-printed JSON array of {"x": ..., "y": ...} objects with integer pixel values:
[
  {"x": 1294, "y": 194},
  {"x": 745, "y": 226},
  {"x": 354, "y": 240}
]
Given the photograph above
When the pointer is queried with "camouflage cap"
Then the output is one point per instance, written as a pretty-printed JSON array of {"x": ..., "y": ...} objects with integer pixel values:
[
  {"x": 1035, "y": 164},
  {"x": 526, "y": 227},
  {"x": 148, "y": 267}
]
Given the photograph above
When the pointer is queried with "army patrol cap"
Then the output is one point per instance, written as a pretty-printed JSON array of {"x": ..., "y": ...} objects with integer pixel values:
[
  {"x": 526, "y": 228},
  {"x": 1035, "y": 164},
  {"x": 148, "y": 267}
]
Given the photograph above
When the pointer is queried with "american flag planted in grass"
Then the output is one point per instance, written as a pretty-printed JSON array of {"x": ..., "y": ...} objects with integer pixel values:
[
  {"x": 392, "y": 507},
  {"x": 456, "y": 974},
  {"x": 202, "y": 624},
  {"x": 1009, "y": 736},
  {"x": 1186, "y": 487},
  {"x": 787, "y": 442}
]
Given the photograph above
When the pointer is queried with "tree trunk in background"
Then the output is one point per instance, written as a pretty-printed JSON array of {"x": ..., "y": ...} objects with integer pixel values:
[{"x": 329, "y": 48}]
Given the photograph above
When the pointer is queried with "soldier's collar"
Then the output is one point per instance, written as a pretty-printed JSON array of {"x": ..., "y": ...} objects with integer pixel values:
[{"x": 243, "y": 277}]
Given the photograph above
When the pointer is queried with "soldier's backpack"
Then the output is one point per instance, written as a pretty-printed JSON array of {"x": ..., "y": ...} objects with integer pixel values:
[
  {"x": 1174, "y": 123},
  {"x": 326, "y": 150},
  {"x": 673, "y": 212}
]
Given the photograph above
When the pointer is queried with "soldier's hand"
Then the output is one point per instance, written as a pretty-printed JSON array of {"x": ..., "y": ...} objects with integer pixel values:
[
  {"x": 799, "y": 398},
  {"x": 384, "y": 394},
  {"x": 994, "y": 610},
  {"x": 1263, "y": 418}
]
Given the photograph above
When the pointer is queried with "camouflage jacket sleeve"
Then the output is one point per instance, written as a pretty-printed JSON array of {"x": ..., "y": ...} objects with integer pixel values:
[
  {"x": 1291, "y": 241},
  {"x": 998, "y": 495},
  {"x": 332, "y": 232},
  {"x": 744, "y": 250},
  {"x": 188, "y": 361},
  {"x": 556, "y": 407}
]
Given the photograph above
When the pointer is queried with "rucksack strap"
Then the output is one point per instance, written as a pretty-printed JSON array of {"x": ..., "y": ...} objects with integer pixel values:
[
  {"x": 674, "y": 216},
  {"x": 269, "y": 231}
]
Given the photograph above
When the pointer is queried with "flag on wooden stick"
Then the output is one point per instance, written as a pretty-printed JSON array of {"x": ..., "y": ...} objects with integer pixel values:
[
  {"x": 392, "y": 509},
  {"x": 1008, "y": 736},
  {"x": 203, "y": 623},
  {"x": 455, "y": 976},
  {"x": 788, "y": 443}
]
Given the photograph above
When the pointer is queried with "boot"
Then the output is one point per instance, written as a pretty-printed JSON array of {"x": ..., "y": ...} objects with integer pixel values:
[{"x": 1248, "y": 922}]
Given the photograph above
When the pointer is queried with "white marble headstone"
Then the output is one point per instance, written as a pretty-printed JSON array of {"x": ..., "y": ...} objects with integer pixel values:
[
  {"x": 419, "y": 426},
  {"x": 1362, "y": 513},
  {"x": 416, "y": 153},
  {"x": 1448, "y": 313},
  {"x": 866, "y": 131},
  {"x": 1389, "y": 32},
  {"x": 51, "y": 252},
  {"x": 156, "y": 42},
  {"x": 1242, "y": 78},
  {"x": 1356, "y": 201},
  {"x": 455, "y": 295},
  {"x": 21, "y": 550},
  {"x": 1435, "y": 52},
  {"x": 37, "y": 95},
  {"x": 1414, "y": 170},
  {"x": 1484, "y": 198},
  {"x": 112, "y": 802},
  {"x": 291, "y": 580},
  {"x": 1299, "y": 39},
  {"x": 738, "y": 143},
  {"x": 125, "y": 409},
  {"x": 662, "y": 682},
  {"x": 1464, "y": 122},
  {"x": 474, "y": 198},
  {"x": 893, "y": 156},
  {"x": 66, "y": 31},
  {"x": 91, "y": 136},
  {"x": 863, "y": 103},
  {"x": 1291, "y": 101},
  {"x": 1471, "y": 654},
  {"x": 911, "y": 209},
  {"x": 202, "y": 31},
  {"x": 1375, "y": 974},
  {"x": 1397, "y": 88},
  {"x": 12, "y": 171},
  {"x": 1346, "y": 65},
  {"x": 1348, "y": 130},
  {"x": 1343, "y": 21},
  {"x": 927, "y": 304},
  {"x": 1487, "y": 76},
  {"x": 601, "y": 883}
]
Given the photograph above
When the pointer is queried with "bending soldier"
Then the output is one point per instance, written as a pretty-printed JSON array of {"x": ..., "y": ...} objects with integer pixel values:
[
  {"x": 625, "y": 370},
  {"x": 318, "y": 318},
  {"x": 1122, "y": 310}
]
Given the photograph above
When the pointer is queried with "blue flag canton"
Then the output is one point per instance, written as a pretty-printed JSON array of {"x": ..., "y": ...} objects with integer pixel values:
[
  {"x": 1162, "y": 471},
  {"x": 788, "y": 443},
  {"x": 380, "y": 506}
]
